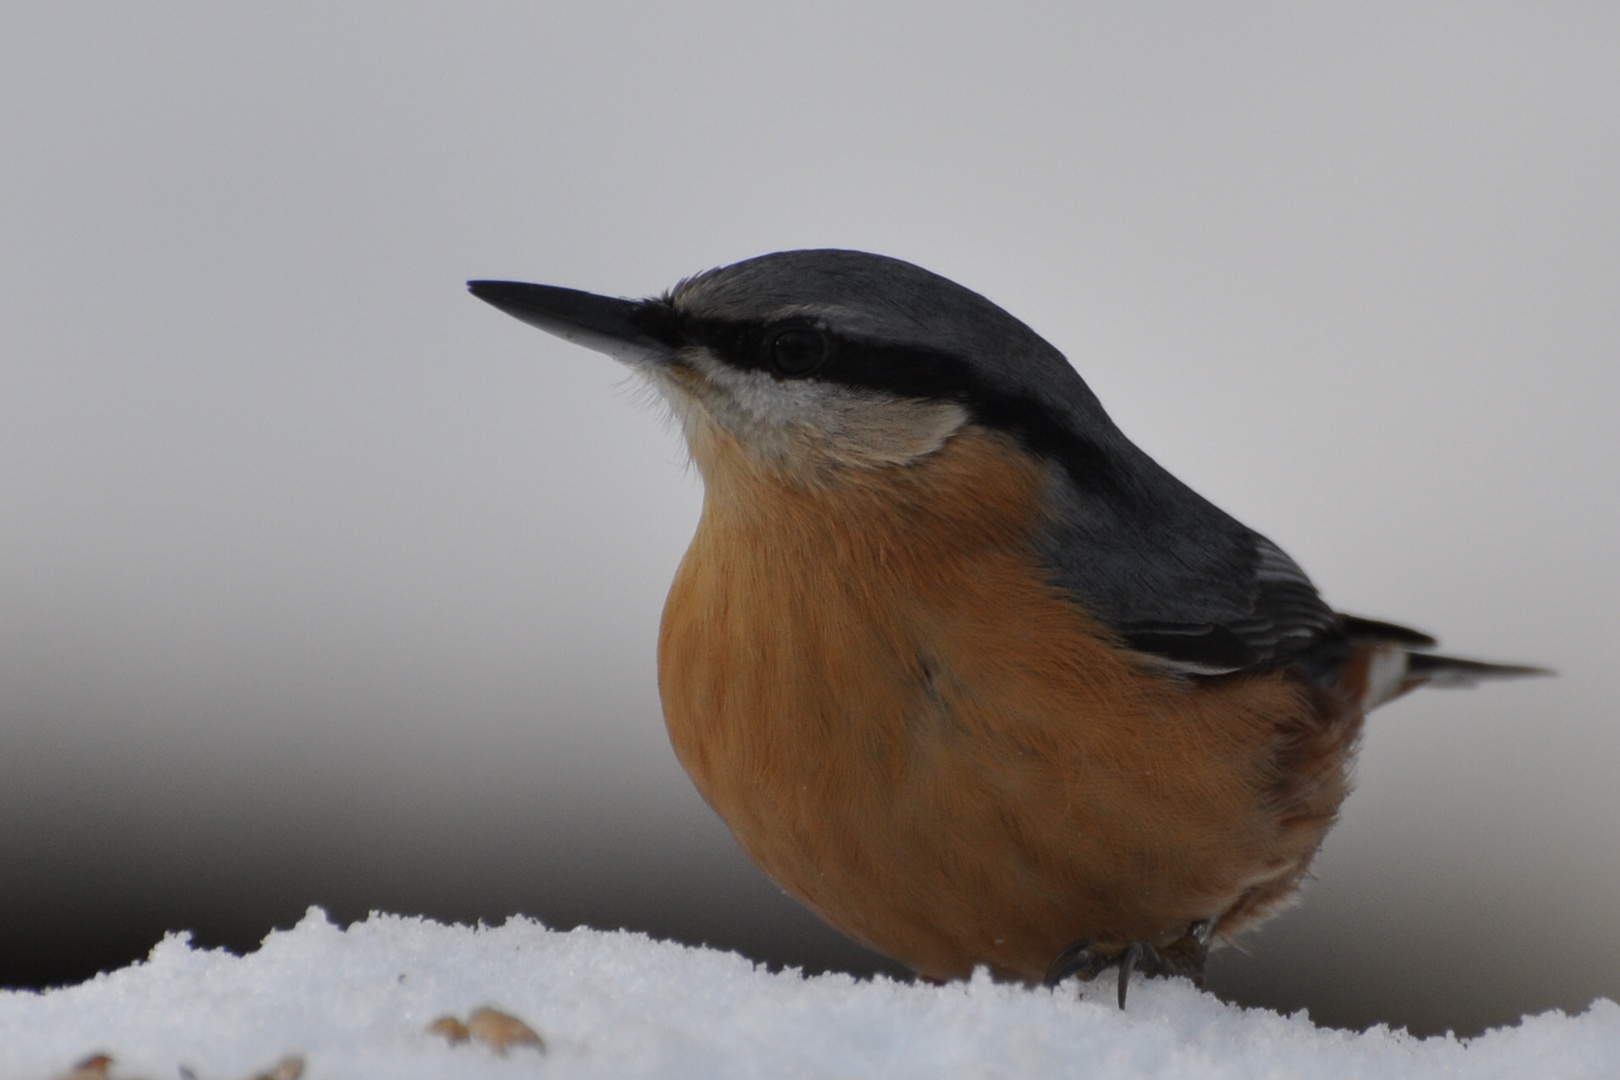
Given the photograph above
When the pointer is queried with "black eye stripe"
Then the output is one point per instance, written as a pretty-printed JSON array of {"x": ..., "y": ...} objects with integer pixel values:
[{"x": 910, "y": 372}]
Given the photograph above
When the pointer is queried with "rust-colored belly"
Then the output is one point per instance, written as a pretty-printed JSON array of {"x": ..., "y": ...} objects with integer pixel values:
[{"x": 913, "y": 732}]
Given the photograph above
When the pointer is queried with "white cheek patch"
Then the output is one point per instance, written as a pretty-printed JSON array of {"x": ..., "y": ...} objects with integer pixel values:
[{"x": 788, "y": 422}]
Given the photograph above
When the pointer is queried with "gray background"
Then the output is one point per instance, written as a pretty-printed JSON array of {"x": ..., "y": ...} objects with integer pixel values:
[{"x": 322, "y": 582}]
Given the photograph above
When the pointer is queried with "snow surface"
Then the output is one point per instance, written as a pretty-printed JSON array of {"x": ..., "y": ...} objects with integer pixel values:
[{"x": 355, "y": 1003}]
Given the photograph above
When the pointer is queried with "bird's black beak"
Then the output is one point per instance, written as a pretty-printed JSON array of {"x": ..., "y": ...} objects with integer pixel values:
[{"x": 602, "y": 323}]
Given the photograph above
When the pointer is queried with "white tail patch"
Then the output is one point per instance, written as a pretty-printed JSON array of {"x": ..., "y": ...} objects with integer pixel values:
[{"x": 1386, "y": 676}]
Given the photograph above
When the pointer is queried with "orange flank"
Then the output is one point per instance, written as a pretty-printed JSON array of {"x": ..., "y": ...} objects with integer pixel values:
[{"x": 870, "y": 677}]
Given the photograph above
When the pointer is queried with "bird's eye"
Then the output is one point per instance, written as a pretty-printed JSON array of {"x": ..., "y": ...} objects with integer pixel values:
[{"x": 799, "y": 352}]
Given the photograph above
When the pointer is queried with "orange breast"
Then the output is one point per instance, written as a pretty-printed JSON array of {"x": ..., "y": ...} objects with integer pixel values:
[{"x": 909, "y": 728}]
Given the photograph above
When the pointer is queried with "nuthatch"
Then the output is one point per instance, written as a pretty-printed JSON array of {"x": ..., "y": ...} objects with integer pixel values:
[{"x": 963, "y": 669}]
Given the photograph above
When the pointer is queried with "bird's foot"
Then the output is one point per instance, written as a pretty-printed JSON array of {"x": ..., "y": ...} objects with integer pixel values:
[{"x": 1088, "y": 959}]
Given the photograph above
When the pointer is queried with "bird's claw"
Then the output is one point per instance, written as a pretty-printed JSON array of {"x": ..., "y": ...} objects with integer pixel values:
[
  {"x": 1083, "y": 958},
  {"x": 1132, "y": 956},
  {"x": 1088, "y": 959}
]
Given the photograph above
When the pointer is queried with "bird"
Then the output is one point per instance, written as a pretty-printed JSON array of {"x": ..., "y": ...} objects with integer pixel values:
[{"x": 963, "y": 669}]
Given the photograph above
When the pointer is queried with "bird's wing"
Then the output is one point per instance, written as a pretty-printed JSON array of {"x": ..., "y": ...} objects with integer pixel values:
[
  {"x": 1202, "y": 594},
  {"x": 1261, "y": 615},
  {"x": 1174, "y": 577}
]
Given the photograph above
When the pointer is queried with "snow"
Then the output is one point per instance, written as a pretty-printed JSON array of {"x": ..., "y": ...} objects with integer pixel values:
[{"x": 357, "y": 1002}]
